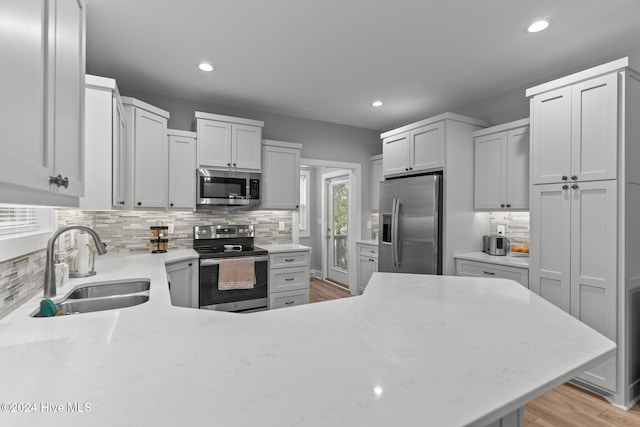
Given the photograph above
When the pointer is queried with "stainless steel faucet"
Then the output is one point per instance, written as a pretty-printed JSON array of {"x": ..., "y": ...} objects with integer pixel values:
[{"x": 50, "y": 271}]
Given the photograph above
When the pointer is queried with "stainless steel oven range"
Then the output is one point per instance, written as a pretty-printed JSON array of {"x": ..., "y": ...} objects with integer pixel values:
[{"x": 217, "y": 243}]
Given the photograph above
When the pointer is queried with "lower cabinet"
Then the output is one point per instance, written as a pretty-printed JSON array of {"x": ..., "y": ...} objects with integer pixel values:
[
  {"x": 288, "y": 279},
  {"x": 183, "y": 283},
  {"x": 367, "y": 264},
  {"x": 484, "y": 269}
]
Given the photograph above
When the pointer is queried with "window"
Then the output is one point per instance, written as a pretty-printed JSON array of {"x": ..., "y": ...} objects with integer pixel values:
[
  {"x": 17, "y": 220},
  {"x": 24, "y": 230},
  {"x": 304, "y": 226}
]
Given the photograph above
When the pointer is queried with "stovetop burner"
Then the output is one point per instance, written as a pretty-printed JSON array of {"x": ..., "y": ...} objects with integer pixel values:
[{"x": 225, "y": 241}]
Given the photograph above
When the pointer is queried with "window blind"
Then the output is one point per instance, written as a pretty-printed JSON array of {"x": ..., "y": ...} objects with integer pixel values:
[{"x": 17, "y": 220}]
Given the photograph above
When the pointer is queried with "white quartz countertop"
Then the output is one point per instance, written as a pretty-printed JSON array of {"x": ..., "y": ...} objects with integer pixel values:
[
  {"x": 510, "y": 260},
  {"x": 414, "y": 350},
  {"x": 284, "y": 247}
]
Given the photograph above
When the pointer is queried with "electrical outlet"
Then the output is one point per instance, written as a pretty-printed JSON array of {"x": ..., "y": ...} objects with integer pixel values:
[
  {"x": 281, "y": 225},
  {"x": 170, "y": 229},
  {"x": 501, "y": 229}
]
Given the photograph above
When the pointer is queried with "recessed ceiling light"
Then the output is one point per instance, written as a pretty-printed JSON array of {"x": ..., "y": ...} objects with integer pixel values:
[
  {"x": 206, "y": 67},
  {"x": 538, "y": 26},
  {"x": 376, "y": 104}
]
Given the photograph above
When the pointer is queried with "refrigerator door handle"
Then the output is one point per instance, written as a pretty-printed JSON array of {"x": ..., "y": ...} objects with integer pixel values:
[
  {"x": 394, "y": 232},
  {"x": 436, "y": 226}
]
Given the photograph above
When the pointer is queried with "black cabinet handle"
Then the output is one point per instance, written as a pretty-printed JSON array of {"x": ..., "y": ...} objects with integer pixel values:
[
  {"x": 228, "y": 164},
  {"x": 234, "y": 165},
  {"x": 574, "y": 177},
  {"x": 574, "y": 186},
  {"x": 59, "y": 181},
  {"x": 508, "y": 205},
  {"x": 289, "y": 279},
  {"x": 289, "y": 302},
  {"x": 171, "y": 204},
  {"x": 564, "y": 177},
  {"x": 139, "y": 203},
  {"x": 564, "y": 187},
  {"x": 190, "y": 264},
  {"x": 121, "y": 202},
  {"x": 289, "y": 259},
  {"x": 502, "y": 205},
  {"x": 490, "y": 273},
  {"x": 406, "y": 169}
]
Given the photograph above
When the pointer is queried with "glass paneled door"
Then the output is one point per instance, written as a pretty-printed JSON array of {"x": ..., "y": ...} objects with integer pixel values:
[{"x": 337, "y": 229}]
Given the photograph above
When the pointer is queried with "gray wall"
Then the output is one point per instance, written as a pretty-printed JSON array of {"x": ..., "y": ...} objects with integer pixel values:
[{"x": 321, "y": 140}]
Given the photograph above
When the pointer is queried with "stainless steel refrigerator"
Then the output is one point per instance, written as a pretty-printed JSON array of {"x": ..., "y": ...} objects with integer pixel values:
[{"x": 410, "y": 238}]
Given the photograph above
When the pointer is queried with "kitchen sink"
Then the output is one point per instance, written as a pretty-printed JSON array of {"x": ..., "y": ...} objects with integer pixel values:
[
  {"x": 109, "y": 289},
  {"x": 98, "y": 304},
  {"x": 103, "y": 296}
]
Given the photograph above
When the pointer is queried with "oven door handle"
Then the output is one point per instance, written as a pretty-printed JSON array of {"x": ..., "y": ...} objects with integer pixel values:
[{"x": 215, "y": 261}]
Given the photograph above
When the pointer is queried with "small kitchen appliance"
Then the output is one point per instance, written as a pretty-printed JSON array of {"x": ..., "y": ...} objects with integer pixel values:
[
  {"x": 226, "y": 188},
  {"x": 495, "y": 245},
  {"x": 215, "y": 244}
]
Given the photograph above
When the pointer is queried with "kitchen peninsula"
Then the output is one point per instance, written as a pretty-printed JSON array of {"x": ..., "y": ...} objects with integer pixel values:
[{"x": 414, "y": 350}]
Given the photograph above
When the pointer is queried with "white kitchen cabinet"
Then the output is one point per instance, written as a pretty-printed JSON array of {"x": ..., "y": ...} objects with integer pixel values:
[
  {"x": 575, "y": 132},
  {"x": 182, "y": 170},
  {"x": 502, "y": 167},
  {"x": 183, "y": 283},
  {"x": 280, "y": 175},
  {"x": 585, "y": 200},
  {"x": 375, "y": 169},
  {"x": 228, "y": 143},
  {"x": 288, "y": 278},
  {"x": 573, "y": 265},
  {"x": 448, "y": 140},
  {"x": 470, "y": 268},
  {"x": 367, "y": 263},
  {"x": 415, "y": 150},
  {"x": 105, "y": 145},
  {"x": 41, "y": 156},
  {"x": 147, "y": 149}
]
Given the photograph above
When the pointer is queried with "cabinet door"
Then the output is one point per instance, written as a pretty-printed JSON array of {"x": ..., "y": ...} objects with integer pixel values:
[
  {"x": 594, "y": 136},
  {"x": 182, "y": 176},
  {"x": 426, "y": 147},
  {"x": 24, "y": 150},
  {"x": 180, "y": 283},
  {"x": 490, "y": 172},
  {"x": 281, "y": 178},
  {"x": 365, "y": 270},
  {"x": 550, "y": 257},
  {"x": 151, "y": 163},
  {"x": 551, "y": 154},
  {"x": 376, "y": 176},
  {"x": 395, "y": 154},
  {"x": 593, "y": 266},
  {"x": 517, "y": 165},
  {"x": 246, "y": 147},
  {"x": 69, "y": 78},
  {"x": 119, "y": 162},
  {"x": 214, "y": 144}
]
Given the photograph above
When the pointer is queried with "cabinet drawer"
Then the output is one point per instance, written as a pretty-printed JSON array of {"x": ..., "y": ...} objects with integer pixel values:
[
  {"x": 288, "y": 298},
  {"x": 289, "y": 259},
  {"x": 480, "y": 269},
  {"x": 368, "y": 251},
  {"x": 287, "y": 279}
]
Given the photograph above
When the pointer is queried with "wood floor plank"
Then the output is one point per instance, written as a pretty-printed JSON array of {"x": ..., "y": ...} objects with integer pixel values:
[{"x": 564, "y": 406}]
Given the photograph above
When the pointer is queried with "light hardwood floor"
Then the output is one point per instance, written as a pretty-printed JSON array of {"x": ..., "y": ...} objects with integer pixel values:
[{"x": 566, "y": 405}]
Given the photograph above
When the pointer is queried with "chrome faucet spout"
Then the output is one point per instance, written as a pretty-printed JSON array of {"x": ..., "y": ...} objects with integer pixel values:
[{"x": 50, "y": 272}]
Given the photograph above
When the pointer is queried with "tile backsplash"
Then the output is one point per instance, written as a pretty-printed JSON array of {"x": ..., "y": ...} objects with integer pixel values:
[
  {"x": 516, "y": 225},
  {"x": 127, "y": 231}
]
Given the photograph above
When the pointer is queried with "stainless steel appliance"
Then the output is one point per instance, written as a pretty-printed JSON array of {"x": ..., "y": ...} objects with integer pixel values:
[
  {"x": 410, "y": 238},
  {"x": 495, "y": 245},
  {"x": 226, "y": 188},
  {"x": 215, "y": 243}
]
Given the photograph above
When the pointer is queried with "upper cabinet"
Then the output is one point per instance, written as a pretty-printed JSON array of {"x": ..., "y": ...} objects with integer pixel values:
[
  {"x": 147, "y": 154},
  {"x": 413, "y": 150},
  {"x": 41, "y": 153},
  {"x": 502, "y": 167},
  {"x": 105, "y": 145},
  {"x": 182, "y": 170},
  {"x": 575, "y": 131},
  {"x": 228, "y": 143},
  {"x": 280, "y": 175}
]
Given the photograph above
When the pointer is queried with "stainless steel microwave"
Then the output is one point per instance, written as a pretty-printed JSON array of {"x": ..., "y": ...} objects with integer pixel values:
[{"x": 227, "y": 188}]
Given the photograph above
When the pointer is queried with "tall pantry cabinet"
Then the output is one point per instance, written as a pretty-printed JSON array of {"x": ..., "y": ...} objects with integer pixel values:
[{"x": 585, "y": 199}]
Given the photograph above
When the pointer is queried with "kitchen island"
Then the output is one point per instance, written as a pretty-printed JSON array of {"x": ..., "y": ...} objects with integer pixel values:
[{"x": 414, "y": 350}]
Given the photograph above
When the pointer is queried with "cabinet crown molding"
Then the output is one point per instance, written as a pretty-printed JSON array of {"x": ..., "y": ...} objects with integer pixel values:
[
  {"x": 272, "y": 143},
  {"x": 144, "y": 106},
  {"x": 600, "y": 70},
  {"x": 229, "y": 119},
  {"x": 434, "y": 119},
  {"x": 502, "y": 127}
]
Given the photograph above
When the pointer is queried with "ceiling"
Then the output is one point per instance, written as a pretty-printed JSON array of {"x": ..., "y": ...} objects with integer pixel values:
[{"x": 328, "y": 60}]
